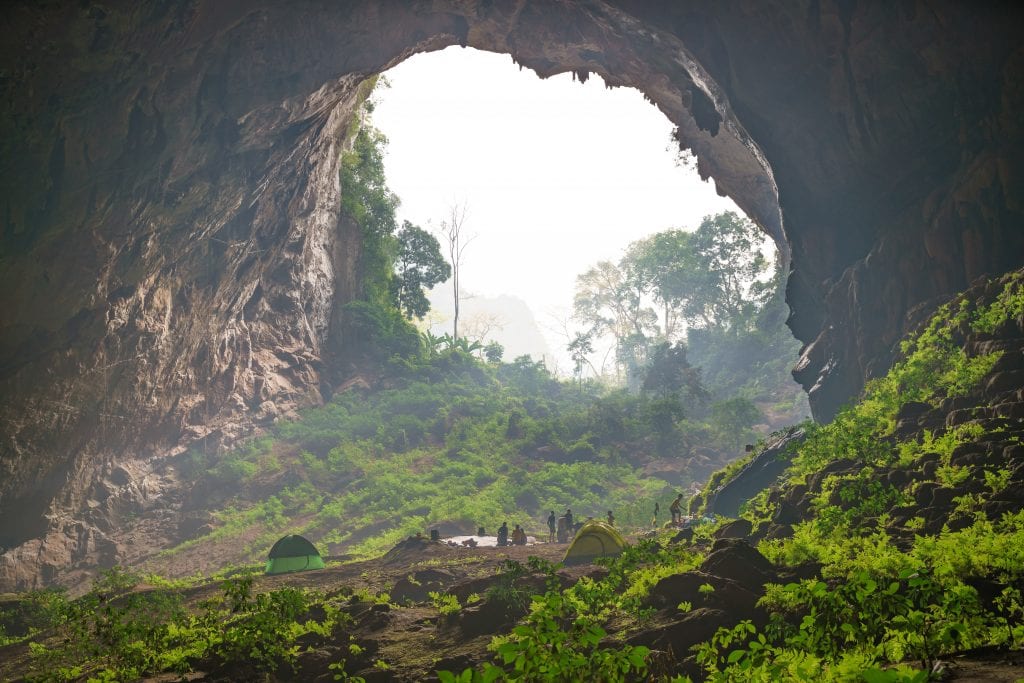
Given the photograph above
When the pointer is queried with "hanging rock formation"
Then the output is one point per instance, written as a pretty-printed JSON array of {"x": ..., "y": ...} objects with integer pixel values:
[{"x": 171, "y": 254}]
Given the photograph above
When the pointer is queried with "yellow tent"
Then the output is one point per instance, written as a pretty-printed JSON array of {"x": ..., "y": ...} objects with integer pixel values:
[{"x": 594, "y": 539}]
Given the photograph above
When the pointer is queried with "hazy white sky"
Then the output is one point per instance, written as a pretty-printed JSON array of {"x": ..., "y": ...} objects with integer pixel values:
[{"x": 557, "y": 175}]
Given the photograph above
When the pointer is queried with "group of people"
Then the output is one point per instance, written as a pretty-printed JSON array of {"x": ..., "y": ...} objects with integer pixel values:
[
  {"x": 561, "y": 529},
  {"x": 518, "y": 535}
]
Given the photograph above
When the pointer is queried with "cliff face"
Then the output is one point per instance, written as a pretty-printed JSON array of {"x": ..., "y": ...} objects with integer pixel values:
[{"x": 171, "y": 255}]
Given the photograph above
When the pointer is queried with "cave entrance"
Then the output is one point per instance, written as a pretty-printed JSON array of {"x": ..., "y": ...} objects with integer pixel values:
[{"x": 556, "y": 176}]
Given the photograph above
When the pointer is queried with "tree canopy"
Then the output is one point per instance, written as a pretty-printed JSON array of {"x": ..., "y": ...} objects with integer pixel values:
[
  {"x": 711, "y": 278},
  {"x": 710, "y": 297},
  {"x": 396, "y": 266},
  {"x": 418, "y": 267}
]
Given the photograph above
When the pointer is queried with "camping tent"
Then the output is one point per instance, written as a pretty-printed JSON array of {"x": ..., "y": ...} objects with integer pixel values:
[
  {"x": 594, "y": 539},
  {"x": 293, "y": 553}
]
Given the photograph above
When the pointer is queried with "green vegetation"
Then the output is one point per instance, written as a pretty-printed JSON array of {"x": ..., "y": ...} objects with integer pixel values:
[
  {"x": 885, "y": 597},
  {"x": 879, "y": 610},
  {"x": 451, "y": 434},
  {"x": 562, "y": 637},
  {"x": 877, "y": 601},
  {"x": 396, "y": 265},
  {"x": 122, "y": 630},
  {"x": 710, "y": 293},
  {"x": 454, "y": 440}
]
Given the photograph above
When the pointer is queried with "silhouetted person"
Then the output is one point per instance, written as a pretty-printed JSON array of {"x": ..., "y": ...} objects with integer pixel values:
[
  {"x": 503, "y": 534},
  {"x": 563, "y": 530},
  {"x": 611, "y": 518},
  {"x": 568, "y": 517},
  {"x": 676, "y": 508},
  {"x": 518, "y": 536},
  {"x": 657, "y": 509},
  {"x": 552, "y": 522}
]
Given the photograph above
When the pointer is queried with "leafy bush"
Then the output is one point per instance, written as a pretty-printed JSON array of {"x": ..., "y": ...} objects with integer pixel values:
[
  {"x": 556, "y": 643},
  {"x": 122, "y": 631}
]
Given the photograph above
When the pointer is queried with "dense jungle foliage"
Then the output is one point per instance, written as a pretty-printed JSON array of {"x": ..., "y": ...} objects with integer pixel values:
[
  {"x": 889, "y": 595},
  {"x": 886, "y": 591},
  {"x": 454, "y": 441},
  {"x": 711, "y": 291},
  {"x": 898, "y": 547}
]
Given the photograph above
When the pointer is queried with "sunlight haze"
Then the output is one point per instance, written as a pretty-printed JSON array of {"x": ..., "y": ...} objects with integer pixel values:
[{"x": 556, "y": 174}]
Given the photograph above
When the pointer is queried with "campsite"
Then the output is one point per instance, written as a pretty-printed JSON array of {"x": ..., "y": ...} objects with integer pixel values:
[{"x": 396, "y": 612}]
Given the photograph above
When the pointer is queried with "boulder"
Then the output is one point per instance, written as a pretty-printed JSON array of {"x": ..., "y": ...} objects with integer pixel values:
[
  {"x": 739, "y": 528},
  {"x": 417, "y": 586},
  {"x": 737, "y": 560},
  {"x": 760, "y": 473},
  {"x": 695, "y": 626},
  {"x": 725, "y": 594}
]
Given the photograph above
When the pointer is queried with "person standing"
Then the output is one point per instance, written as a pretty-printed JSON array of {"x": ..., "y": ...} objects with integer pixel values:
[
  {"x": 657, "y": 509},
  {"x": 552, "y": 521},
  {"x": 611, "y": 519},
  {"x": 676, "y": 508},
  {"x": 568, "y": 520}
]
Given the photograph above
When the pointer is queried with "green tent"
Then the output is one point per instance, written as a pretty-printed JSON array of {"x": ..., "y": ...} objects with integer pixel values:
[
  {"x": 293, "y": 553},
  {"x": 594, "y": 539}
]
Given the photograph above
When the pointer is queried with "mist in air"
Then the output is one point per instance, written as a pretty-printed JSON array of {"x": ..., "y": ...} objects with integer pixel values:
[{"x": 556, "y": 175}]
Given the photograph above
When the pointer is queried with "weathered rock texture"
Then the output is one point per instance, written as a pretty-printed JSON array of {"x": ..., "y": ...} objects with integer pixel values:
[
  {"x": 171, "y": 254},
  {"x": 761, "y": 472},
  {"x": 994, "y": 407}
]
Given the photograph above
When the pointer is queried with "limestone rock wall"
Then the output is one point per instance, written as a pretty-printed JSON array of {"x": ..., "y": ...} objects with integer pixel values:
[
  {"x": 168, "y": 272},
  {"x": 894, "y": 135},
  {"x": 171, "y": 256}
]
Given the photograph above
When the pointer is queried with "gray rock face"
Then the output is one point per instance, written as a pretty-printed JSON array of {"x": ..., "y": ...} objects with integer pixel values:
[
  {"x": 761, "y": 472},
  {"x": 172, "y": 259}
]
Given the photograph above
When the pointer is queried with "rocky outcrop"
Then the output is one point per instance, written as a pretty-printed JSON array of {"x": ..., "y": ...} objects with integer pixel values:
[
  {"x": 761, "y": 472},
  {"x": 990, "y": 461},
  {"x": 172, "y": 258}
]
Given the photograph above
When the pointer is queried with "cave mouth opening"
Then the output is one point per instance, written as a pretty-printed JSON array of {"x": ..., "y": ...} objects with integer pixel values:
[
  {"x": 228, "y": 227},
  {"x": 557, "y": 174}
]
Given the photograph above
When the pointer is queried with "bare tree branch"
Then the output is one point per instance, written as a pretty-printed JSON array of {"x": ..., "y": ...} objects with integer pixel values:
[{"x": 452, "y": 231}]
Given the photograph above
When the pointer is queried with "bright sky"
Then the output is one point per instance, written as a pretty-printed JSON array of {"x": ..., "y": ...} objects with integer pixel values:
[{"x": 556, "y": 175}]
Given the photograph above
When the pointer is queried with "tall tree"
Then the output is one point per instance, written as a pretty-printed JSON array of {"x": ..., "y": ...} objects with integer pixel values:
[
  {"x": 663, "y": 266},
  {"x": 610, "y": 303},
  {"x": 580, "y": 348},
  {"x": 669, "y": 373},
  {"x": 456, "y": 241},
  {"x": 393, "y": 268},
  {"x": 418, "y": 267},
  {"x": 732, "y": 285},
  {"x": 365, "y": 195},
  {"x": 713, "y": 278}
]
